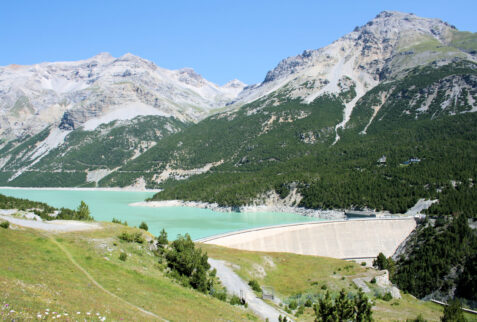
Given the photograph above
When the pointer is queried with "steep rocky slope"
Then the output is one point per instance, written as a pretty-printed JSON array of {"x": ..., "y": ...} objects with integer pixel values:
[{"x": 102, "y": 89}]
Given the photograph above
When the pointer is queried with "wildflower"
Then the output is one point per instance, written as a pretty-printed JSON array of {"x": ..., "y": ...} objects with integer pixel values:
[
  {"x": 39, "y": 316},
  {"x": 88, "y": 313},
  {"x": 58, "y": 316},
  {"x": 47, "y": 309},
  {"x": 78, "y": 312},
  {"x": 12, "y": 311},
  {"x": 97, "y": 313}
]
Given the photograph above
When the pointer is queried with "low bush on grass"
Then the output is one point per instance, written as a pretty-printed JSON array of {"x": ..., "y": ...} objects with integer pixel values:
[
  {"x": 123, "y": 256},
  {"x": 117, "y": 221},
  {"x": 255, "y": 285},
  {"x": 132, "y": 238},
  {"x": 143, "y": 226},
  {"x": 235, "y": 300}
]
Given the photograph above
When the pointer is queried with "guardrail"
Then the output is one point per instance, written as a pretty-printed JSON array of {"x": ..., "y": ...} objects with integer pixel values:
[{"x": 462, "y": 308}]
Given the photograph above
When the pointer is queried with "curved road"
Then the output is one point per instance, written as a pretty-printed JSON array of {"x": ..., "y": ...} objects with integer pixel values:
[{"x": 235, "y": 284}]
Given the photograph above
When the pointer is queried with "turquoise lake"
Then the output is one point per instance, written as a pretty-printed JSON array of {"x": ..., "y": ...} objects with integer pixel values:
[{"x": 106, "y": 205}]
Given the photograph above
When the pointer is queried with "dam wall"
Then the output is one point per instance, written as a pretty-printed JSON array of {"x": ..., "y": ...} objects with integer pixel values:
[{"x": 347, "y": 239}]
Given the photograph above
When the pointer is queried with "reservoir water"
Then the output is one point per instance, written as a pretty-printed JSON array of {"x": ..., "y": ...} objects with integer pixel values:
[{"x": 106, "y": 205}]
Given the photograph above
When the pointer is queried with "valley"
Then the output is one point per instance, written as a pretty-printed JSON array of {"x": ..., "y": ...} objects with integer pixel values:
[{"x": 255, "y": 185}]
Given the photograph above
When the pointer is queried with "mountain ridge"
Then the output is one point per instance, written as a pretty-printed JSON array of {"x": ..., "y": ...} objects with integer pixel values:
[
  {"x": 397, "y": 68},
  {"x": 38, "y": 95}
]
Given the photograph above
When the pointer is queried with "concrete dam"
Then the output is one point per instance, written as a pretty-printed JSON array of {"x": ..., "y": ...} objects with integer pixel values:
[{"x": 345, "y": 239}]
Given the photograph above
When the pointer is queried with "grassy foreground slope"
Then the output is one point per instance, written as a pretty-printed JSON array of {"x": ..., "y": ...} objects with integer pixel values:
[
  {"x": 298, "y": 277},
  {"x": 36, "y": 278}
]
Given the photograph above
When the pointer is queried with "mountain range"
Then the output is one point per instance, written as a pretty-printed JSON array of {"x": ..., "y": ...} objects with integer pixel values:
[{"x": 310, "y": 134}]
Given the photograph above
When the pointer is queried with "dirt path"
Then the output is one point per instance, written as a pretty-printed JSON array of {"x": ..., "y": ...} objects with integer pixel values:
[
  {"x": 235, "y": 285},
  {"x": 73, "y": 261},
  {"x": 52, "y": 225}
]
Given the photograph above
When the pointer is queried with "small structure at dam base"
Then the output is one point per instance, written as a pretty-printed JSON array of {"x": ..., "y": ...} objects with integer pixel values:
[{"x": 359, "y": 214}]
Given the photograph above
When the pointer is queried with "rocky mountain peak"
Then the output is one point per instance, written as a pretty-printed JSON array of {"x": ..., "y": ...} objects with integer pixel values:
[
  {"x": 189, "y": 76},
  {"x": 101, "y": 87},
  {"x": 389, "y": 25},
  {"x": 103, "y": 57},
  {"x": 234, "y": 83},
  {"x": 388, "y": 31}
]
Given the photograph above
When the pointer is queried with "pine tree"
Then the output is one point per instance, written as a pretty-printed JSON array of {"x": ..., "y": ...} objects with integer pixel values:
[
  {"x": 143, "y": 226},
  {"x": 162, "y": 239},
  {"x": 453, "y": 312},
  {"x": 83, "y": 213},
  {"x": 362, "y": 308},
  {"x": 344, "y": 308}
]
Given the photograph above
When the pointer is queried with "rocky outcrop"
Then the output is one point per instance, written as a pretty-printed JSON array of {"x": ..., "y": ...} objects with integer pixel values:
[{"x": 383, "y": 48}]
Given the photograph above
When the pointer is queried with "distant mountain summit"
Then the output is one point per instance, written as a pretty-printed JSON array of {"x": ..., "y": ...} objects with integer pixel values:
[
  {"x": 382, "y": 49},
  {"x": 33, "y": 97}
]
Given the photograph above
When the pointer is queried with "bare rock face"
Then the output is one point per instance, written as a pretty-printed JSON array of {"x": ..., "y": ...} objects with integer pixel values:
[
  {"x": 69, "y": 94},
  {"x": 383, "y": 48},
  {"x": 67, "y": 123}
]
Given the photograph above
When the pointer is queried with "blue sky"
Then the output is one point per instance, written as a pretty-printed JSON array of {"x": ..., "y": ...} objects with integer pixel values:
[{"x": 221, "y": 40}]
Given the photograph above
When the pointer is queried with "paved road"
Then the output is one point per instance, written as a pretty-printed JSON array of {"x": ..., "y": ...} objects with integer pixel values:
[{"x": 235, "y": 284}]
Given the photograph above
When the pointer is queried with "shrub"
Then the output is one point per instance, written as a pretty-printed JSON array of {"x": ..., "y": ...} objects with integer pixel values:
[
  {"x": 213, "y": 273},
  {"x": 123, "y": 256},
  {"x": 387, "y": 297},
  {"x": 453, "y": 312},
  {"x": 343, "y": 309},
  {"x": 117, "y": 221},
  {"x": 134, "y": 237},
  {"x": 189, "y": 263},
  {"x": 418, "y": 318},
  {"x": 138, "y": 238},
  {"x": 143, "y": 226},
  {"x": 126, "y": 237},
  {"x": 83, "y": 213},
  {"x": 162, "y": 239},
  {"x": 293, "y": 305},
  {"x": 300, "y": 311},
  {"x": 363, "y": 263},
  {"x": 235, "y": 300},
  {"x": 219, "y": 295},
  {"x": 5, "y": 224},
  {"x": 254, "y": 285},
  {"x": 373, "y": 281},
  {"x": 308, "y": 303}
]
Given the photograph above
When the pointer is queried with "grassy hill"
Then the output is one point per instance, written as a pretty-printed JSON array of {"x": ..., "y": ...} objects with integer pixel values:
[
  {"x": 38, "y": 277},
  {"x": 298, "y": 277},
  {"x": 81, "y": 275}
]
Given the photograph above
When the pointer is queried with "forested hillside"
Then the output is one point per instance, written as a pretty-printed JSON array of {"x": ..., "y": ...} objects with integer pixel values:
[
  {"x": 440, "y": 261},
  {"x": 261, "y": 154}
]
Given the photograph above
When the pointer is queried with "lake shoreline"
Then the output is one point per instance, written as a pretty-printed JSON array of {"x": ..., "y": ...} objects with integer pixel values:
[
  {"x": 198, "y": 223},
  {"x": 312, "y": 213}
]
